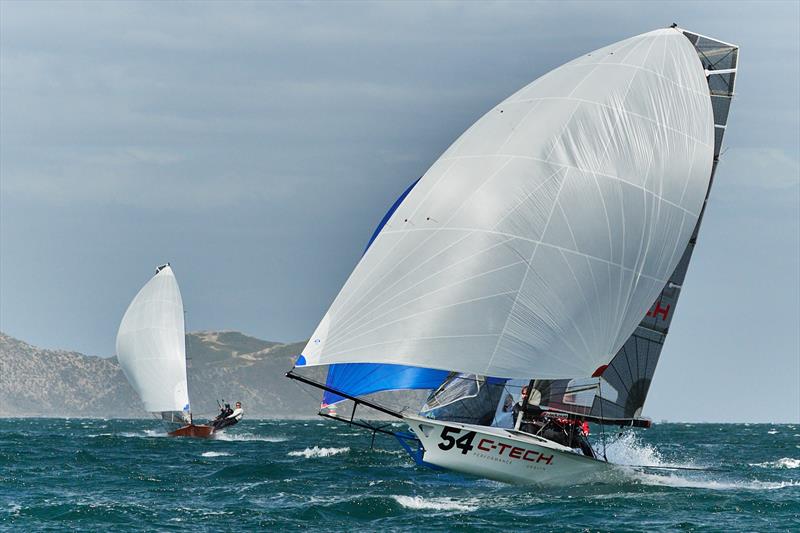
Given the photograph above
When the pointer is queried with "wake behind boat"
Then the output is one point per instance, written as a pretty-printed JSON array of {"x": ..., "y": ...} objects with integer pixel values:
[
  {"x": 151, "y": 349},
  {"x": 545, "y": 250}
]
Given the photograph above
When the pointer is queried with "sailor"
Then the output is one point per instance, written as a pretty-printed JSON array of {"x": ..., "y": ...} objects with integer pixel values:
[
  {"x": 579, "y": 437},
  {"x": 237, "y": 413},
  {"x": 224, "y": 411},
  {"x": 532, "y": 419},
  {"x": 228, "y": 417},
  {"x": 569, "y": 431},
  {"x": 508, "y": 404},
  {"x": 518, "y": 406}
]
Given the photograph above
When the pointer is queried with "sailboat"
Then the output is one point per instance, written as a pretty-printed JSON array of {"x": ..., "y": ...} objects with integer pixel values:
[
  {"x": 545, "y": 249},
  {"x": 151, "y": 349}
]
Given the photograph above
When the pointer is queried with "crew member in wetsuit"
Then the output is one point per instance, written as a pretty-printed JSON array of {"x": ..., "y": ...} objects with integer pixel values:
[
  {"x": 570, "y": 432},
  {"x": 518, "y": 406},
  {"x": 532, "y": 419},
  {"x": 567, "y": 431},
  {"x": 228, "y": 417},
  {"x": 224, "y": 411}
]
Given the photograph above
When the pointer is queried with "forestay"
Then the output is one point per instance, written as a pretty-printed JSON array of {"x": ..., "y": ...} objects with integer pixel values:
[
  {"x": 534, "y": 245},
  {"x": 151, "y": 345}
]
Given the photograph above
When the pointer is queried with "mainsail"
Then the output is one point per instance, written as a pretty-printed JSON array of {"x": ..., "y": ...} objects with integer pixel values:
[
  {"x": 619, "y": 391},
  {"x": 534, "y": 245},
  {"x": 151, "y": 347}
]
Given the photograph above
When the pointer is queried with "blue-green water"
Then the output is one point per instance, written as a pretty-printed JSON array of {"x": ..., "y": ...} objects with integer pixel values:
[{"x": 126, "y": 475}]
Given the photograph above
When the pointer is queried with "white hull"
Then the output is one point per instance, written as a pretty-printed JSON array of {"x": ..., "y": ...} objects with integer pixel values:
[{"x": 502, "y": 455}]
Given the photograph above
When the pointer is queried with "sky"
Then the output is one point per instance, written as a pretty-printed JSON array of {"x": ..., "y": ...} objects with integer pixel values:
[{"x": 255, "y": 146}]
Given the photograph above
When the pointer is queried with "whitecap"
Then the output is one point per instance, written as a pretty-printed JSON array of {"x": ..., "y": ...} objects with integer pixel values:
[
  {"x": 711, "y": 484},
  {"x": 216, "y": 454},
  {"x": 247, "y": 437},
  {"x": 784, "y": 462},
  {"x": 141, "y": 434},
  {"x": 629, "y": 450},
  {"x": 316, "y": 451},
  {"x": 435, "y": 504},
  {"x": 772, "y": 431}
]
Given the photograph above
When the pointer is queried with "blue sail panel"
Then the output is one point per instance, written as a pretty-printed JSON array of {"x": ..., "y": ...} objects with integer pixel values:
[
  {"x": 358, "y": 379},
  {"x": 389, "y": 214}
]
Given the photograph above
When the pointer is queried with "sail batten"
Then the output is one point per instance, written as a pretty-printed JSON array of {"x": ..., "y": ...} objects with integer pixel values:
[{"x": 534, "y": 245}]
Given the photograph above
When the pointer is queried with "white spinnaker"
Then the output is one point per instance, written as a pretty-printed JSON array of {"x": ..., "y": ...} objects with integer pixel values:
[
  {"x": 151, "y": 345},
  {"x": 535, "y": 244}
]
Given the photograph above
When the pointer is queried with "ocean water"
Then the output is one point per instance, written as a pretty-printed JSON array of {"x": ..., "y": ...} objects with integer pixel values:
[{"x": 102, "y": 475}]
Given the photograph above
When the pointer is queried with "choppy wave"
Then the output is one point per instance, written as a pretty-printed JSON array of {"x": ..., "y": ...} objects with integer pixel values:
[
  {"x": 249, "y": 437},
  {"x": 629, "y": 450},
  {"x": 703, "y": 482},
  {"x": 436, "y": 504},
  {"x": 316, "y": 451},
  {"x": 138, "y": 434},
  {"x": 295, "y": 476},
  {"x": 784, "y": 462}
]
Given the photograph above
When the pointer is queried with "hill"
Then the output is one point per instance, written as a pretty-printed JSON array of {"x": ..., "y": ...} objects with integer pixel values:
[{"x": 221, "y": 364}]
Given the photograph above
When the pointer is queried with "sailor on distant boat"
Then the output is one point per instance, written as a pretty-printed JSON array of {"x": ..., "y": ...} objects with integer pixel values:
[
  {"x": 224, "y": 411},
  {"x": 228, "y": 417}
]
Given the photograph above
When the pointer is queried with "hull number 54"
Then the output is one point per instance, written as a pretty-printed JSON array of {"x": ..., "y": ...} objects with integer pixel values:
[{"x": 463, "y": 443}]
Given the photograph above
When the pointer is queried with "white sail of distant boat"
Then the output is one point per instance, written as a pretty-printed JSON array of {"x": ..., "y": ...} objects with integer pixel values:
[
  {"x": 151, "y": 347},
  {"x": 545, "y": 246}
]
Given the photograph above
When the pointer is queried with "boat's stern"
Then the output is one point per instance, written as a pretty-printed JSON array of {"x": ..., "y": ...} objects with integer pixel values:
[{"x": 500, "y": 454}]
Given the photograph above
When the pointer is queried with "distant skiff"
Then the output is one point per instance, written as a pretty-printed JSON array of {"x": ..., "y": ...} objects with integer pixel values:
[{"x": 151, "y": 349}]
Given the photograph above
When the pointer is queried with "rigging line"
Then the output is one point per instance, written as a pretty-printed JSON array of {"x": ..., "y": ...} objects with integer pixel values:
[
  {"x": 371, "y": 405},
  {"x": 602, "y": 426},
  {"x": 628, "y": 364},
  {"x": 647, "y": 353}
]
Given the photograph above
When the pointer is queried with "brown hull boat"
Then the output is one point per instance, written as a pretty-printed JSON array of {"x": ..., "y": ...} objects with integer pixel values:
[{"x": 197, "y": 431}]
